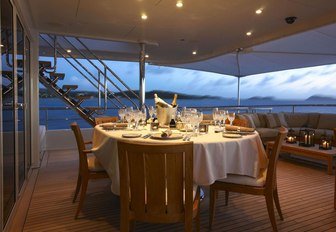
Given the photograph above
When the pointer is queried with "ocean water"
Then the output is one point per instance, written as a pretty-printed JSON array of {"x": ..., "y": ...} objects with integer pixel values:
[{"x": 56, "y": 118}]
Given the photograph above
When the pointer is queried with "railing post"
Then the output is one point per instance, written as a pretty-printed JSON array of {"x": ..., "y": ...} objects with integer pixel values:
[{"x": 142, "y": 91}]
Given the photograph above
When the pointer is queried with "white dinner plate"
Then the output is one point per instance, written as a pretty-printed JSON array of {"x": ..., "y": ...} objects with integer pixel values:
[
  {"x": 233, "y": 136},
  {"x": 113, "y": 127},
  {"x": 131, "y": 135},
  {"x": 172, "y": 136},
  {"x": 240, "y": 132}
]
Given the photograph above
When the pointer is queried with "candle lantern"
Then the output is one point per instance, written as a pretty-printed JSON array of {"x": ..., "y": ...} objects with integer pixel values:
[
  {"x": 325, "y": 142},
  {"x": 291, "y": 137},
  {"x": 306, "y": 137}
]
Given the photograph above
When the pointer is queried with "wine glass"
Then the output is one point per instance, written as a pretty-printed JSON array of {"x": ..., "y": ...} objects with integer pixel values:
[
  {"x": 143, "y": 116},
  {"x": 223, "y": 116},
  {"x": 215, "y": 115},
  {"x": 121, "y": 113},
  {"x": 151, "y": 111},
  {"x": 231, "y": 117},
  {"x": 199, "y": 119}
]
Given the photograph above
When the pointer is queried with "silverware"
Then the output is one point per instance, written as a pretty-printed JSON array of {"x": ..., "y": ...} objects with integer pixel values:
[{"x": 146, "y": 136}]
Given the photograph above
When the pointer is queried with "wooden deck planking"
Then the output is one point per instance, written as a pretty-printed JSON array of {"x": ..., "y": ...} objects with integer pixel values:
[{"x": 305, "y": 191}]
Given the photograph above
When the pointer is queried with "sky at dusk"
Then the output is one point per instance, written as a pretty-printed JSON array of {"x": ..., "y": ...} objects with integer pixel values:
[{"x": 292, "y": 84}]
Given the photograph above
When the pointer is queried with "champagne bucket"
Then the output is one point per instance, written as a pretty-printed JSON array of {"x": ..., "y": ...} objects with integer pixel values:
[{"x": 164, "y": 115}]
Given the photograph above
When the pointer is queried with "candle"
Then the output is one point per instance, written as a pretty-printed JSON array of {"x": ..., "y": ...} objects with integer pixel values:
[
  {"x": 290, "y": 139},
  {"x": 324, "y": 144},
  {"x": 306, "y": 139}
]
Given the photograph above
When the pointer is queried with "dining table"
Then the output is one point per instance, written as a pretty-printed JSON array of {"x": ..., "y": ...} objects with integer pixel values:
[{"x": 216, "y": 153}]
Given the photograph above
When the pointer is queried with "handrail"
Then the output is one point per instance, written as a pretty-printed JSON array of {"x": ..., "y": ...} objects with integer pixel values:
[
  {"x": 113, "y": 73},
  {"x": 98, "y": 69},
  {"x": 108, "y": 93},
  {"x": 204, "y": 108}
]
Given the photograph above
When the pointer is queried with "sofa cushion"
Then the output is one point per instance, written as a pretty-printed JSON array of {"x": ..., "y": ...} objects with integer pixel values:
[
  {"x": 262, "y": 119},
  {"x": 327, "y": 121},
  {"x": 296, "y": 119},
  {"x": 256, "y": 120},
  {"x": 313, "y": 120},
  {"x": 275, "y": 120},
  {"x": 248, "y": 118}
]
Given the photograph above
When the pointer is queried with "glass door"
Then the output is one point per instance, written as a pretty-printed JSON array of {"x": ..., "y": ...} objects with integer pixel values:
[
  {"x": 27, "y": 104},
  {"x": 20, "y": 106},
  {"x": 8, "y": 110}
]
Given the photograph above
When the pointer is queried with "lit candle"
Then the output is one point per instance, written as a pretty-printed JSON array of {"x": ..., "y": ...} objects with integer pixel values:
[
  {"x": 324, "y": 144},
  {"x": 306, "y": 139},
  {"x": 290, "y": 139}
]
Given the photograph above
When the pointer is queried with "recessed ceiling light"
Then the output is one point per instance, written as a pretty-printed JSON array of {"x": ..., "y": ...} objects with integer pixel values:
[
  {"x": 144, "y": 17},
  {"x": 68, "y": 50},
  {"x": 179, "y": 4},
  {"x": 249, "y": 33},
  {"x": 259, "y": 11},
  {"x": 194, "y": 52},
  {"x": 146, "y": 55}
]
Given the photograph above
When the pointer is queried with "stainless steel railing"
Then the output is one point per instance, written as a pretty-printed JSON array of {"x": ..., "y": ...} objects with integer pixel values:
[{"x": 61, "y": 117}]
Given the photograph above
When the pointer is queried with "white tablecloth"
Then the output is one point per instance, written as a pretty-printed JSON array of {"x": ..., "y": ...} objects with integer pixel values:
[{"x": 214, "y": 155}]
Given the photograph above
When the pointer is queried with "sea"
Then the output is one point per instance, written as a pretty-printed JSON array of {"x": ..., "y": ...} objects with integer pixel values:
[{"x": 55, "y": 114}]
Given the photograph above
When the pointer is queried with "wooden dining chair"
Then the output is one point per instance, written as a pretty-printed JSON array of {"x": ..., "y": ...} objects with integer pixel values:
[
  {"x": 99, "y": 120},
  {"x": 89, "y": 167},
  {"x": 156, "y": 184},
  {"x": 265, "y": 184}
]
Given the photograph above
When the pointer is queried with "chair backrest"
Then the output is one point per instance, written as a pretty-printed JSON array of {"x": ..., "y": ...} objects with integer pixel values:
[
  {"x": 83, "y": 165},
  {"x": 99, "y": 120},
  {"x": 273, "y": 157},
  {"x": 156, "y": 181},
  {"x": 334, "y": 139}
]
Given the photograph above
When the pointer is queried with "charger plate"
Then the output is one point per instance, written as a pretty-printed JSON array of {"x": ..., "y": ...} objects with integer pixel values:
[
  {"x": 232, "y": 136},
  {"x": 131, "y": 135}
]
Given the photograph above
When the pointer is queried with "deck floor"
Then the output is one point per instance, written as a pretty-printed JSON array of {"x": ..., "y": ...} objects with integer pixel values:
[{"x": 306, "y": 196}]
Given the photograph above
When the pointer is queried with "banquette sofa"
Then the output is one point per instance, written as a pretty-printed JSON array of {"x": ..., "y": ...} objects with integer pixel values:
[{"x": 267, "y": 124}]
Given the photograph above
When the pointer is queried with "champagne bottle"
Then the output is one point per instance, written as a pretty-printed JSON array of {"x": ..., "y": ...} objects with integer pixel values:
[
  {"x": 174, "y": 104},
  {"x": 172, "y": 123},
  {"x": 160, "y": 102}
]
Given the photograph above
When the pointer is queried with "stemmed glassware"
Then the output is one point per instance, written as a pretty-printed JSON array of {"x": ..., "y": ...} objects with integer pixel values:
[
  {"x": 136, "y": 116},
  {"x": 216, "y": 117},
  {"x": 128, "y": 116},
  {"x": 143, "y": 116},
  {"x": 231, "y": 117},
  {"x": 223, "y": 116},
  {"x": 152, "y": 112},
  {"x": 199, "y": 120},
  {"x": 121, "y": 113}
]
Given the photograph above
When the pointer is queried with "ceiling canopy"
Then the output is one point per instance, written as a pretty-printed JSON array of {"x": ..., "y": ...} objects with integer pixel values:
[{"x": 214, "y": 30}]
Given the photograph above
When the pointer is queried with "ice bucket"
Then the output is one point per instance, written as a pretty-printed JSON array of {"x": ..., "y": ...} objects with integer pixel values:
[{"x": 164, "y": 115}]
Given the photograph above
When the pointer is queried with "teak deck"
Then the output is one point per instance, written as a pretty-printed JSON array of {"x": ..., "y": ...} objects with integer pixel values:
[{"x": 306, "y": 195}]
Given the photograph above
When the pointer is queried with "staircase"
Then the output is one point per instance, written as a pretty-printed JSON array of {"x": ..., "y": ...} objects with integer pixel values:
[{"x": 105, "y": 77}]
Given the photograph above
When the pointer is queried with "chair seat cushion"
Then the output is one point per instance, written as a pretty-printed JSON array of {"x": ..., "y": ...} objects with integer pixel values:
[
  {"x": 246, "y": 180},
  {"x": 93, "y": 164}
]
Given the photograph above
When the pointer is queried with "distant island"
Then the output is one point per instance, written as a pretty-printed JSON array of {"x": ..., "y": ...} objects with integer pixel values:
[
  {"x": 261, "y": 98},
  {"x": 45, "y": 93},
  {"x": 320, "y": 98}
]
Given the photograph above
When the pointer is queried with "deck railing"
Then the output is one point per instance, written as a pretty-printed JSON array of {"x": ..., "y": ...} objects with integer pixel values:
[{"x": 61, "y": 117}]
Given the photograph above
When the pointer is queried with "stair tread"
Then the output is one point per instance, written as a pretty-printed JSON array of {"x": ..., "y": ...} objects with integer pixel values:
[
  {"x": 7, "y": 73},
  {"x": 60, "y": 75},
  {"x": 83, "y": 97},
  {"x": 92, "y": 108},
  {"x": 45, "y": 64},
  {"x": 70, "y": 87}
]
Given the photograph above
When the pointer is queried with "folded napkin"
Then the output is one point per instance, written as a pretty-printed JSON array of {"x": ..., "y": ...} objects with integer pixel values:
[
  {"x": 166, "y": 133},
  {"x": 121, "y": 124},
  {"x": 239, "y": 128}
]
